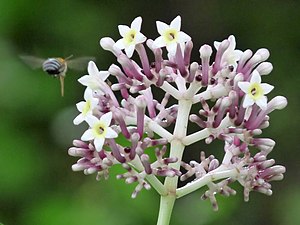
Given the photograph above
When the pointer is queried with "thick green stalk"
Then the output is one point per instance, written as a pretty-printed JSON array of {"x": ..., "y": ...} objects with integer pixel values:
[{"x": 177, "y": 148}]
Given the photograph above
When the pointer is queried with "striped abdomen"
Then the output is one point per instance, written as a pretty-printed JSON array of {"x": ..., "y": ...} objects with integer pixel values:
[{"x": 55, "y": 66}]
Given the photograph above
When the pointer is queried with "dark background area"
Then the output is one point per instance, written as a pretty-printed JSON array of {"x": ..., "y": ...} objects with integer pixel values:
[{"x": 37, "y": 185}]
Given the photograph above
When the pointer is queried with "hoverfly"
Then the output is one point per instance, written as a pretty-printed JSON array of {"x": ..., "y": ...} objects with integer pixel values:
[{"x": 56, "y": 66}]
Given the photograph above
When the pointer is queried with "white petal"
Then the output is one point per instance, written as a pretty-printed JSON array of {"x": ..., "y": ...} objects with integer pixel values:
[
  {"x": 90, "y": 81},
  {"x": 267, "y": 88},
  {"x": 92, "y": 120},
  {"x": 106, "y": 118},
  {"x": 104, "y": 75},
  {"x": 244, "y": 86},
  {"x": 255, "y": 78},
  {"x": 140, "y": 38},
  {"x": 247, "y": 101},
  {"x": 262, "y": 102},
  {"x": 161, "y": 27},
  {"x": 88, "y": 94},
  {"x": 172, "y": 47},
  {"x": 84, "y": 80},
  {"x": 217, "y": 44},
  {"x": 78, "y": 119},
  {"x": 237, "y": 54},
  {"x": 123, "y": 30},
  {"x": 94, "y": 102},
  {"x": 88, "y": 135},
  {"x": 183, "y": 37},
  {"x": 176, "y": 23},
  {"x": 232, "y": 42},
  {"x": 129, "y": 50},
  {"x": 98, "y": 142},
  {"x": 120, "y": 44},
  {"x": 159, "y": 42},
  {"x": 110, "y": 133},
  {"x": 92, "y": 68},
  {"x": 80, "y": 105},
  {"x": 136, "y": 24}
]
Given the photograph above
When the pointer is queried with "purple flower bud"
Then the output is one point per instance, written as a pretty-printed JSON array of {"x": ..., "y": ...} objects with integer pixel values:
[
  {"x": 222, "y": 48},
  {"x": 244, "y": 58},
  {"x": 205, "y": 53},
  {"x": 188, "y": 52},
  {"x": 145, "y": 161}
]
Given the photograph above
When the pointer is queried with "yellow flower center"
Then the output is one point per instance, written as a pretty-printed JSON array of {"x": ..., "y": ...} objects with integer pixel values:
[
  {"x": 99, "y": 130},
  {"x": 87, "y": 107},
  {"x": 129, "y": 37},
  {"x": 170, "y": 35},
  {"x": 255, "y": 91}
]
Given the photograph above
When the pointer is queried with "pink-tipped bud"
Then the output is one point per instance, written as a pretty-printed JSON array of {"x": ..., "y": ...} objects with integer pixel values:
[
  {"x": 279, "y": 102},
  {"x": 264, "y": 68},
  {"x": 263, "y": 53},
  {"x": 140, "y": 101},
  {"x": 78, "y": 167},
  {"x": 205, "y": 51},
  {"x": 107, "y": 43}
]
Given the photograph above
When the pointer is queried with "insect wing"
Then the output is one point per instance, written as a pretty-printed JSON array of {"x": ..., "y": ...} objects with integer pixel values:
[
  {"x": 32, "y": 61},
  {"x": 80, "y": 63}
]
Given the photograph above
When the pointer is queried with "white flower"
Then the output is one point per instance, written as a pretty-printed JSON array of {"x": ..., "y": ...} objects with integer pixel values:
[
  {"x": 95, "y": 77},
  {"x": 231, "y": 55},
  {"x": 170, "y": 35},
  {"x": 131, "y": 36},
  {"x": 255, "y": 91},
  {"x": 99, "y": 130},
  {"x": 86, "y": 107}
]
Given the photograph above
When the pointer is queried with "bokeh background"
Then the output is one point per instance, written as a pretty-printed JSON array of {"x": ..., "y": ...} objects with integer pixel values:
[{"x": 37, "y": 186}]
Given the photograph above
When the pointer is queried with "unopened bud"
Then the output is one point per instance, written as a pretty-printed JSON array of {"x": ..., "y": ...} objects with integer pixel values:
[
  {"x": 205, "y": 51},
  {"x": 264, "y": 68},
  {"x": 107, "y": 43}
]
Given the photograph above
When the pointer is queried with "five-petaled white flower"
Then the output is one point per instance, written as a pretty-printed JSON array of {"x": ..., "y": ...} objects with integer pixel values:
[
  {"x": 231, "y": 55},
  {"x": 99, "y": 130},
  {"x": 86, "y": 107},
  {"x": 131, "y": 36},
  {"x": 95, "y": 77},
  {"x": 255, "y": 91},
  {"x": 170, "y": 35}
]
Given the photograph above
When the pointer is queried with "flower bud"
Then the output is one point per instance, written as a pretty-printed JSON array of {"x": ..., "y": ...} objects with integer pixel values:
[
  {"x": 263, "y": 53},
  {"x": 108, "y": 43},
  {"x": 264, "y": 68},
  {"x": 205, "y": 51}
]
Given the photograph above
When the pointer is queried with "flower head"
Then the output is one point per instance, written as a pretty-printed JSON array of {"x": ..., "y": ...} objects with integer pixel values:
[
  {"x": 131, "y": 36},
  {"x": 255, "y": 91},
  {"x": 99, "y": 130},
  {"x": 217, "y": 82},
  {"x": 170, "y": 35},
  {"x": 95, "y": 77},
  {"x": 86, "y": 107}
]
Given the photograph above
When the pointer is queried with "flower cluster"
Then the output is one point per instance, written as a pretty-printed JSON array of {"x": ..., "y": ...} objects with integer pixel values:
[{"x": 134, "y": 121}]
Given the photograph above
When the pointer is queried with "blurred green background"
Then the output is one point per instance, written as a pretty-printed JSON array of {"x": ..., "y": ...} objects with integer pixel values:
[{"x": 37, "y": 186}]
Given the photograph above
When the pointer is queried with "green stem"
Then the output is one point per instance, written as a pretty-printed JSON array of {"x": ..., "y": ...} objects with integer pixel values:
[
  {"x": 165, "y": 209},
  {"x": 193, "y": 186},
  {"x": 177, "y": 148},
  {"x": 154, "y": 182}
]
